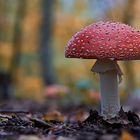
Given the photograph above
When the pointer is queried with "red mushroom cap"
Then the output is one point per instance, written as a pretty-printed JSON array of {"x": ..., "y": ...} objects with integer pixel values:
[{"x": 105, "y": 40}]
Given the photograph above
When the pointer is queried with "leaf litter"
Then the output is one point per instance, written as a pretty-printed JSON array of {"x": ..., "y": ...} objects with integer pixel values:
[{"x": 46, "y": 125}]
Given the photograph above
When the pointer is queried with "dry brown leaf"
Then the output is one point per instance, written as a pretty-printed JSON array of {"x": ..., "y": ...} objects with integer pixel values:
[
  {"x": 127, "y": 136},
  {"x": 81, "y": 115},
  {"x": 55, "y": 115}
]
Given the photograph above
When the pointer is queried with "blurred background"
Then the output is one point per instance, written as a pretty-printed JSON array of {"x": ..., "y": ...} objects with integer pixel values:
[{"x": 33, "y": 35}]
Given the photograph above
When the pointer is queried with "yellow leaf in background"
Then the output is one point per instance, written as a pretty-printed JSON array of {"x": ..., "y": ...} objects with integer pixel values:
[
  {"x": 6, "y": 49},
  {"x": 6, "y": 52},
  {"x": 127, "y": 136},
  {"x": 80, "y": 6}
]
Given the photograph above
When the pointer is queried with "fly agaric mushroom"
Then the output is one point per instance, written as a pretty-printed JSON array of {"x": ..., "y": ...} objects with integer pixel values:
[{"x": 107, "y": 42}]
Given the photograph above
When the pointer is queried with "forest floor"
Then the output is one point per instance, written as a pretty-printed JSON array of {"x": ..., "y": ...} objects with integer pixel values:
[{"x": 33, "y": 121}]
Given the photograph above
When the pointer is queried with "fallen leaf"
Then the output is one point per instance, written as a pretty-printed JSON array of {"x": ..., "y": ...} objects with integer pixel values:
[
  {"x": 30, "y": 137},
  {"x": 127, "y": 136},
  {"x": 40, "y": 123},
  {"x": 81, "y": 115},
  {"x": 55, "y": 115}
]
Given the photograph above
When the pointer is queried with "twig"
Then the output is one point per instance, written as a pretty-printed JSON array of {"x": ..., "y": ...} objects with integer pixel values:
[{"x": 13, "y": 111}]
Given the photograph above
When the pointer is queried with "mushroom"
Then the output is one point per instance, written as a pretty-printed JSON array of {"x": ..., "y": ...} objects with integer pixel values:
[{"x": 107, "y": 42}]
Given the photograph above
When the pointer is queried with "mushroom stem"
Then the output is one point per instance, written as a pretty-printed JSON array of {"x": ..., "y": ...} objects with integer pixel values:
[
  {"x": 109, "y": 72},
  {"x": 110, "y": 103}
]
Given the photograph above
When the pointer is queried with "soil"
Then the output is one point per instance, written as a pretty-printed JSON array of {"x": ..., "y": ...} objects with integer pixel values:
[{"x": 36, "y": 124}]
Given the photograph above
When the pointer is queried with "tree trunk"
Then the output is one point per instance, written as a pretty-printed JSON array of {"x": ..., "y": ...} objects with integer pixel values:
[
  {"x": 17, "y": 35},
  {"x": 46, "y": 49},
  {"x": 8, "y": 14}
]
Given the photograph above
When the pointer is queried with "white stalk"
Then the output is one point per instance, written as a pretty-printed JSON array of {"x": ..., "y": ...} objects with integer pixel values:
[
  {"x": 110, "y": 103},
  {"x": 109, "y": 71}
]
